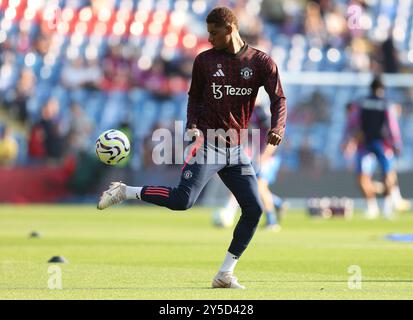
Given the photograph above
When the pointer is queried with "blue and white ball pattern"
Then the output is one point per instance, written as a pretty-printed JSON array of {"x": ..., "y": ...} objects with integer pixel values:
[{"x": 112, "y": 147}]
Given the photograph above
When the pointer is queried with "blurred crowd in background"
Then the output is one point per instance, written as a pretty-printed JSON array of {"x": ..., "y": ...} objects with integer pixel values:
[{"x": 70, "y": 69}]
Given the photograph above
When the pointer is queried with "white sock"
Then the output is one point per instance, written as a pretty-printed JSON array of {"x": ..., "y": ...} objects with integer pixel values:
[
  {"x": 395, "y": 194},
  {"x": 133, "y": 192},
  {"x": 229, "y": 263},
  {"x": 372, "y": 206},
  {"x": 388, "y": 206}
]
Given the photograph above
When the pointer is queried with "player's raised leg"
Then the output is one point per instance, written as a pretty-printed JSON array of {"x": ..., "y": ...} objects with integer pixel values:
[{"x": 194, "y": 177}]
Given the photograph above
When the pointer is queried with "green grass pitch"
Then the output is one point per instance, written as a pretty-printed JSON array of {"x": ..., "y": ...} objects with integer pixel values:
[{"x": 132, "y": 252}]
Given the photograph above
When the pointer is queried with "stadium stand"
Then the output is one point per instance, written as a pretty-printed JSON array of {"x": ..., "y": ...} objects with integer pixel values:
[{"x": 131, "y": 60}]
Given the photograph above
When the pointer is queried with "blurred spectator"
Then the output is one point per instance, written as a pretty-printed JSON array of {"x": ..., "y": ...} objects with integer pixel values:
[
  {"x": 273, "y": 11},
  {"x": 390, "y": 57},
  {"x": 314, "y": 24},
  {"x": 336, "y": 26},
  {"x": 306, "y": 156},
  {"x": 250, "y": 25},
  {"x": 360, "y": 50},
  {"x": 42, "y": 45},
  {"x": 179, "y": 71},
  {"x": 24, "y": 90},
  {"x": 156, "y": 80},
  {"x": 80, "y": 130},
  {"x": 313, "y": 110},
  {"x": 183, "y": 65},
  {"x": 23, "y": 42},
  {"x": 81, "y": 74},
  {"x": 53, "y": 138},
  {"x": 116, "y": 70},
  {"x": 36, "y": 143},
  {"x": 7, "y": 70},
  {"x": 9, "y": 147}
]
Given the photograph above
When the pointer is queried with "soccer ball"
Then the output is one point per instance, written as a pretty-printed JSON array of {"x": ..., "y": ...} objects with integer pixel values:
[
  {"x": 112, "y": 147},
  {"x": 221, "y": 218}
]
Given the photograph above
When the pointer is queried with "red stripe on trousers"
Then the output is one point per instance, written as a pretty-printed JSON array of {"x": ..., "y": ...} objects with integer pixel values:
[
  {"x": 157, "y": 189},
  {"x": 192, "y": 153},
  {"x": 156, "y": 194}
]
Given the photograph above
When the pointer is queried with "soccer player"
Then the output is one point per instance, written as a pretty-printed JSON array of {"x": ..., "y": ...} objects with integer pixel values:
[
  {"x": 399, "y": 203},
  {"x": 374, "y": 125},
  {"x": 225, "y": 83}
]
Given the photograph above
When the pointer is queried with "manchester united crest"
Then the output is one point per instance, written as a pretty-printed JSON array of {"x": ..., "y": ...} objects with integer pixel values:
[
  {"x": 188, "y": 174},
  {"x": 246, "y": 73}
]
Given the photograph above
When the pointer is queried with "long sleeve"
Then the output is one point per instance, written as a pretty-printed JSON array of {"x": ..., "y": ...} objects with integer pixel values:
[
  {"x": 352, "y": 127},
  {"x": 278, "y": 105},
  {"x": 195, "y": 94},
  {"x": 393, "y": 128}
]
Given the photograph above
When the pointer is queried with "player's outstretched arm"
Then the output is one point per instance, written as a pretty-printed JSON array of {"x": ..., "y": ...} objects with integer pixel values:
[{"x": 278, "y": 107}]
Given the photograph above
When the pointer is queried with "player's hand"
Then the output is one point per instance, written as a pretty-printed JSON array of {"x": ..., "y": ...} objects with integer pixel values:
[
  {"x": 273, "y": 138},
  {"x": 193, "y": 131},
  {"x": 397, "y": 150}
]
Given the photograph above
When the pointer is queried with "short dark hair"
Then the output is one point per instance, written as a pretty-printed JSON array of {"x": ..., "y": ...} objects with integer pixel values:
[
  {"x": 222, "y": 16},
  {"x": 377, "y": 83}
]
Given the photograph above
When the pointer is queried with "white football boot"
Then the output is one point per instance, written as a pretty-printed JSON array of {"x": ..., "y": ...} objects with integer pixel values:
[
  {"x": 114, "y": 195},
  {"x": 403, "y": 205},
  {"x": 372, "y": 214},
  {"x": 226, "y": 280}
]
